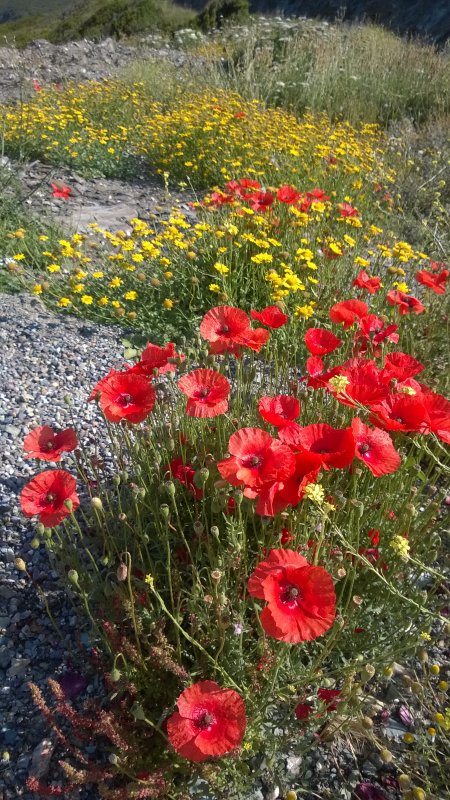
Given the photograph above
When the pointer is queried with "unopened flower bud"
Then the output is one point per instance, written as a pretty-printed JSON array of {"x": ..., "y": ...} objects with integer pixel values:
[
  {"x": 416, "y": 687},
  {"x": 170, "y": 488},
  {"x": 367, "y": 723},
  {"x": 165, "y": 510},
  {"x": 113, "y": 759},
  {"x": 115, "y": 675},
  {"x": 97, "y": 503},
  {"x": 137, "y": 711},
  {"x": 19, "y": 564},
  {"x": 171, "y": 445},
  {"x": 68, "y": 504},
  {"x": 40, "y": 528},
  {"x": 73, "y": 576},
  {"x": 404, "y": 781},
  {"x": 122, "y": 572},
  {"x": 34, "y": 544},
  {"x": 386, "y": 756},
  {"x": 238, "y": 496},
  {"x": 122, "y": 516},
  {"x": 201, "y": 477},
  {"x": 422, "y": 655},
  {"x": 215, "y": 532}
]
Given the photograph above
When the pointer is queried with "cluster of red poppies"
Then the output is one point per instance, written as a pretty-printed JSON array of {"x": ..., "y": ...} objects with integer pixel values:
[
  {"x": 299, "y": 598},
  {"x": 260, "y": 200}
]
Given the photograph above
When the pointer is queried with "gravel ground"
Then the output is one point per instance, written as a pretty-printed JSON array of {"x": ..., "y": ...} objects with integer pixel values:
[{"x": 42, "y": 357}]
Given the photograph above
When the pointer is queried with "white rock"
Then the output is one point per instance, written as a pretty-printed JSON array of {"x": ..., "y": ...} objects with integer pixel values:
[{"x": 40, "y": 760}]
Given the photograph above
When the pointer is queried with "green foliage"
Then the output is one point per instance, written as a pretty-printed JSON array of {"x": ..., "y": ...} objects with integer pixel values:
[
  {"x": 96, "y": 19},
  {"x": 217, "y": 12}
]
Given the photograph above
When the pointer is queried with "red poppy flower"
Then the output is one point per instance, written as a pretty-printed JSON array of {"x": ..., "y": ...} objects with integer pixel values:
[
  {"x": 210, "y": 721},
  {"x": 329, "y": 697},
  {"x": 226, "y": 327},
  {"x": 255, "y": 338},
  {"x": 334, "y": 446},
  {"x": 37, "y": 86},
  {"x": 303, "y": 710},
  {"x": 316, "y": 370},
  {"x": 207, "y": 392},
  {"x": 435, "y": 282},
  {"x": 363, "y": 281},
  {"x": 157, "y": 358},
  {"x": 43, "y": 442},
  {"x": 348, "y": 312},
  {"x": 400, "y": 413},
  {"x": 271, "y": 316},
  {"x": 61, "y": 191},
  {"x": 47, "y": 496},
  {"x": 287, "y": 194},
  {"x": 279, "y": 410},
  {"x": 375, "y": 449},
  {"x": 124, "y": 395},
  {"x": 255, "y": 459},
  {"x": 365, "y": 383},
  {"x": 184, "y": 473},
  {"x": 261, "y": 201},
  {"x": 371, "y": 324},
  {"x": 405, "y": 302},
  {"x": 437, "y": 409},
  {"x": 347, "y": 210},
  {"x": 401, "y": 366},
  {"x": 219, "y": 199},
  {"x": 317, "y": 195},
  {"x": 275, "y": 497},
  {"x": 301, "y": 602},
  {"x": 319, "y": 341}
]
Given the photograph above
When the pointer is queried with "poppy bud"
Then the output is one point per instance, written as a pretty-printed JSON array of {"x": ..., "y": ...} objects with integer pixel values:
[
  {"x": 97, "y": 503},
  {"x": 170, "y": 445},
  {"x": 34, "y": 544},
  {"x": 40, "y": 528},
  {"x": 404, "y": 781},
  {"x": 215, "y": 532},
  {"x": 170, "y": 488},
  {"x": 122, "y": 516},
  {"x": 115, "y": 675},
  {"x": 19, "y": 564},
  {"x": 122, "y": 572},
  {"x": 367, "y": 723},
  {"x": 73, "y": 577},
  {"x": 386, "y": 756},
  {"x": 201, "y": 477},
  {"x": 165, "y": 510},
  {"x": 113, "y": 759},
  {"x": 104, "y": 561},
  {"x": 422, "y": 655},
  {"x": 124, "y": 475},
  {"x": 238, "y": 496},
  {"x": 137, "y": 711}
]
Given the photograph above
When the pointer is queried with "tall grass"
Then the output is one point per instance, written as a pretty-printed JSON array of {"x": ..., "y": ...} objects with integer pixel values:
[{"x": 360, "y": 73}]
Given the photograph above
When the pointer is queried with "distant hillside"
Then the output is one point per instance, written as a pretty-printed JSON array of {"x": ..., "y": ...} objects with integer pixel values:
[{"x": 59, "y": 20}]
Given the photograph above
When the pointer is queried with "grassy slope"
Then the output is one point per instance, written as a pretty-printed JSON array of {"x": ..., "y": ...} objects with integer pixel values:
[{"x": 57, "y": 20}]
